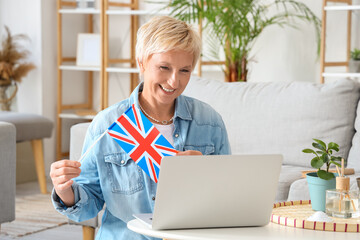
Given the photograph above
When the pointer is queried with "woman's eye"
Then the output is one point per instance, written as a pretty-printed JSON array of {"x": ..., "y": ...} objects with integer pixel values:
[
  {"x": 185, "y": 70},
  {"x": 164, "y": 68}
]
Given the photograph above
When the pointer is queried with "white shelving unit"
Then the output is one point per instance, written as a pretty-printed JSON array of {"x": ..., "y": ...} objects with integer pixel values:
[
  {"x": 78, "y": 68},
  {"x": 78, "y": 111},
  {"x": 349, "y": 7}
]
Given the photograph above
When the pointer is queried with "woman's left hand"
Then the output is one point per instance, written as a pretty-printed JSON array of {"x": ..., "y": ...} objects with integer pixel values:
[{"x": 189, "y": 152}]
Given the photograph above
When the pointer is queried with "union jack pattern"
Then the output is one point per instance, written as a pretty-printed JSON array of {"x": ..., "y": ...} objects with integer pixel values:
[{"x": 139, "y": 138}]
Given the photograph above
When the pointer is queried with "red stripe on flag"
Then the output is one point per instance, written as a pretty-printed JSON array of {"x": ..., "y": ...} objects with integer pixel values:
[
  {"x": 166, "y": 148},
  {"x": 324, "y": 223},
  {"x": 145, "y": 143},
  {"x": 314, "y": 225},
  {"x": 345, "y": 227},
  {"x": 334, "y": 227},
  {"x": 120, "y": 138}
]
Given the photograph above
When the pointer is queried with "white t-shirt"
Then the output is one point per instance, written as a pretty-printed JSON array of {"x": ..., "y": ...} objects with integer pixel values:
[{"x": 167, "y": 131}]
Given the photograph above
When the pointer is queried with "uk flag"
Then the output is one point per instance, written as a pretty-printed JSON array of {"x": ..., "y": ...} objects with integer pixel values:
[{"x": 141, "y": 140}]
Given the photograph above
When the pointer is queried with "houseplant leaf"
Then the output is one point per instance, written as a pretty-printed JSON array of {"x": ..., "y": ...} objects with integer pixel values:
[
  {"x": 333, "y": 158},
  {"x": 325, "y": 158},
  {"x": 317, "y": 162},
  {"x": 333, "y": 146},
  {"x": 308, "y": 150},
  {"x": 337, "y": 164},
  {"x": 325, "y": 175},
  {"x": 320, "y": 142},
  {"x": 319, "y": 146}
]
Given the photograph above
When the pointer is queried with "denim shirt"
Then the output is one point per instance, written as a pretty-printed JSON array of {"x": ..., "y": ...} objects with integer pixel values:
[{"x": 109, "y": 175}]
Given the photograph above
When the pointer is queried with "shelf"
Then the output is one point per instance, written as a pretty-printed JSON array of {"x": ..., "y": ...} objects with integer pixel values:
[
  {"x": 136, "y": 12},
  {"x": 79, "y": 68},
  {"x": 71, "y": 114},
  {"x": 342, "y": 8},
  {"x": 345, "y": 75},
  {"x": 122, "y": 70},
  {"x": 79, "y": 11}
]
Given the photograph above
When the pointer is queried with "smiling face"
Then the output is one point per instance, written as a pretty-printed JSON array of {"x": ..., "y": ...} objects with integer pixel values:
[{"x": 165, "y": 76}]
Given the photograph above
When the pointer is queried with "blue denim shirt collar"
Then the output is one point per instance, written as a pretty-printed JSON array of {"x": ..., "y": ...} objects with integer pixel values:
[{"x": 181, "y": 105}]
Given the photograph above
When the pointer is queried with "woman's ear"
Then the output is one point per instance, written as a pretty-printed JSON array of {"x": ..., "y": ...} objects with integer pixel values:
[{"x": 141, "y": 65}]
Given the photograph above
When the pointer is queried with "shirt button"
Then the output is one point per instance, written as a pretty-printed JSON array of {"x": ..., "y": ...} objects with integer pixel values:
[
  {"x": 122, "y": 161},
  {"x": 176, "y": 135},
  {"x": 153, "y": 198}
]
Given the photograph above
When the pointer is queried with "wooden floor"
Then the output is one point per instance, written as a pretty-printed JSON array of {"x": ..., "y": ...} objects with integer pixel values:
[{"x": 59, "y": 233}]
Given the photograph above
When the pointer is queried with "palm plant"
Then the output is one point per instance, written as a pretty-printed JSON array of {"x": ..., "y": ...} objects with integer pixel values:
[{"x": 236, "y": 24}]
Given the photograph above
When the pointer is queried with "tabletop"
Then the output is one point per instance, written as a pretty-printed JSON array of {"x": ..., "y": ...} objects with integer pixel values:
[{"x": 270, "y": 231}]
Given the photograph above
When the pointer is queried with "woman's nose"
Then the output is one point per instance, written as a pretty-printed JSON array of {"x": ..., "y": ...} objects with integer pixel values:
[{"x": 174, "y": 80}]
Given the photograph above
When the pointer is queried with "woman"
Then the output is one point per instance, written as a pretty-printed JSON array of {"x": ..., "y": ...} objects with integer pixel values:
[{"x": 167, "y": 51}]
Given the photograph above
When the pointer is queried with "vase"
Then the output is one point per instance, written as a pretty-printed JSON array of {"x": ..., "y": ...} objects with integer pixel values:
[
  {"x": 7, "y": 95},
  {"x": 317, "y": 190},
  {"x": 354, "y": 66}
]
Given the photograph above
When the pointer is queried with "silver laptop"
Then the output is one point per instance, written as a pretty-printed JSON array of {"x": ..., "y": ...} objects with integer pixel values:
[{"x": 214, "y": 191}]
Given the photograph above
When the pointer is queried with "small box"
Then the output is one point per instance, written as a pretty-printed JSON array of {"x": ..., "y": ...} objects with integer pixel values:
[{"x": 85, "y": 3}]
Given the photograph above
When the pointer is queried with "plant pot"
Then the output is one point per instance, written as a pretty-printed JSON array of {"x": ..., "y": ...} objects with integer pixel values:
[
  {"x": 317, "y": 190},
  {"x": 354, "y": 66}
]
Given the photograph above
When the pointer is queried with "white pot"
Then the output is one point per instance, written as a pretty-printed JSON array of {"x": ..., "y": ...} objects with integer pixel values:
[{"x": 354, "y": 66}]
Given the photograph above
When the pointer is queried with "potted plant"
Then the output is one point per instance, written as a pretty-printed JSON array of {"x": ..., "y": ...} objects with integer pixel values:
[
  {"x": 12, "y": 67},
  {"x": 323, "y": 179},
  {"x": 237, "y": 24},
  {"x": 354, "y": 63}
]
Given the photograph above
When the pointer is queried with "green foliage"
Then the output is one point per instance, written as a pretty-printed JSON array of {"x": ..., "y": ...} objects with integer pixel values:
[
  {"x": 236, "y": 24},
  {"x": 324, "y": 156},
  {"x": 355, "y": 54}
]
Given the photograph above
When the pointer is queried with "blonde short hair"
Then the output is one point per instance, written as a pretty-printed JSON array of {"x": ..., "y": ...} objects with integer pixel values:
[{"x": 162, "y": 34}]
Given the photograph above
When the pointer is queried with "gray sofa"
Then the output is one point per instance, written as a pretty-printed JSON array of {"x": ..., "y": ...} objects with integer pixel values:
[
  {"x": 7, "y": 172},
  {"x": 280, "y": 117}
]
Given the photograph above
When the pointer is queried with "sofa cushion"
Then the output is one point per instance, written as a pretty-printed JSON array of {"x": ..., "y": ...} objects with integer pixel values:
[
  {"x": 288, "y": 175},
  {"x": 354, "y": 154},
  {"x": 282, "y": 117}
]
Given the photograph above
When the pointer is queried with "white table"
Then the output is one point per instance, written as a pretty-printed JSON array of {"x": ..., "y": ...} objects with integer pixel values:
[{"x": 270, "y": 231}]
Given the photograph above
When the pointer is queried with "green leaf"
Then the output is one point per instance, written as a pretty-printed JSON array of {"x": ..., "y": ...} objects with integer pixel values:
[
  {"x": 333, "y": 146},
  {"x": 319, "y": 146},
  {"x": 320, "y": 142},
  {"x": 325, "y": 175},
  {"x": 325, "y": 158},
  {"x": 320, "y": 152},
  {"x": 317, "y": 162},
  {"x": 308, "y": 150},
  {"x": 333, "y": 158},
  {"x": 337, "y": 164}
]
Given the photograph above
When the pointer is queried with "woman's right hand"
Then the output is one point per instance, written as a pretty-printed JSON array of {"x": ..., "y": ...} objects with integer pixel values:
[{"x": 61, "y": 174}]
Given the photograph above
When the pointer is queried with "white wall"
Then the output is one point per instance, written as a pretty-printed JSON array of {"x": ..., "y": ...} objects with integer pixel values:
[
  {"x": 37, "y": 19},
  {"x": 280, "y": 54}
]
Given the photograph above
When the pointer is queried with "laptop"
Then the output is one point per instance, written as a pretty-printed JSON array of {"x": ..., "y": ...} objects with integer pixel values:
[{"x": 214, "y": 191}]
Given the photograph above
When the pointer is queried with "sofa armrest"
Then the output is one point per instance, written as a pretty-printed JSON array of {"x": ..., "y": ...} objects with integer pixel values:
[
  {"x": 7, "y": 171},
  {"x": 77, "y": 137}
]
